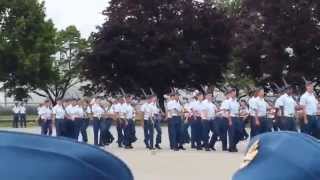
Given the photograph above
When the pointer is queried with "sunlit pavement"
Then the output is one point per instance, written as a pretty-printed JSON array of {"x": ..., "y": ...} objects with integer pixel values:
[{"x": 169, "y": 165}]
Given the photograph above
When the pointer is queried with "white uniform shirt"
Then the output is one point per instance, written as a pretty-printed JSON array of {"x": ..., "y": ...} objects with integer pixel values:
[
  {"x": 45, "y": 113},
  {"x": 210, "y": 109},
  {"x": 22, "y": 109},
  {"x": 129, "y": 111},
  {"x": 261, "y": 106},
  {"x": 233, "y": 107},
  {"x": 174, "y": 108},
  {"x": 71, "y": 111},
  {"x": 288, "y": 104},
  {"x": 149, "y": 110},
  {"x": 224, "y": 108},
  {"x": 310, "y": 103},
  {"x": 79, "y": 112},
  {"x": 251, "y": 103},
  {"x": 197, "y": 109},
  {"x": 97, "y": 111},
  {"x": 58, "y": 111},
  {"x": 16, "y": 110}
]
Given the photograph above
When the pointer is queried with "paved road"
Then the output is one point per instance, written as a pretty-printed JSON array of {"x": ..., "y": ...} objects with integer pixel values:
[{"x": 168, "y": 165}]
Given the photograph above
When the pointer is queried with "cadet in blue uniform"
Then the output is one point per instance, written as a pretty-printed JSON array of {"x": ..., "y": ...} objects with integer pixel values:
[
  {"x": 288, "y": 110},
  {"x": 281, "y": 156},
  {"x": 58, "y": 116},
  {"x": 16, "y": 111},
  {"x": 235, "y": 129},
  {"x": 174, "y": 109},
  {"x": 261, "y": 108},
  {"x": 309, "y": 105}
]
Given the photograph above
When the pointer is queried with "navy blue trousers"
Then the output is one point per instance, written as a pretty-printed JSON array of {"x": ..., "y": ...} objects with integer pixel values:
[
  {"x": 105, "y": 135},
  {"x": 23, "y": 120},
  {"x": 265, "y": 125},
  {"x": 222, "y": 131},
  {"x": 148, "y": 133},
  {"x": 96, "y": 129},
  {"x": 206, "y": 127},
  {"x": 46, "y": 127},
  {"x": 129, "y": 133},
  {"x": 312, "y": 127},
  {"x": 287, "y": 124},
  {"x": 213, "y": 126},
  {"x": 193, "y": 125},
  {"x": 59, "y": 126},
  {"x": 157, "y": 126},
  {"x": 176, "y": 131},
  {"x": 169, "y": 132},
  {"x": 120, "y": 131},
  {"x": 235, "y": 133},
  {"x": 15, "y": 121}
]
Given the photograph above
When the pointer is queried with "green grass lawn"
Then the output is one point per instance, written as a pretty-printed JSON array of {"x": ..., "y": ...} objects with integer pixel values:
[{"x": 6, "y": 121}]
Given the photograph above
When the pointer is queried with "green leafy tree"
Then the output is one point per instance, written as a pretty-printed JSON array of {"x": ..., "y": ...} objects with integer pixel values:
[
  {"x": 66, "y": 64},
  {"x": 27, "y": 41},
  {"x": 280, "y": 39},
  {"x": 159, "y": 44}
]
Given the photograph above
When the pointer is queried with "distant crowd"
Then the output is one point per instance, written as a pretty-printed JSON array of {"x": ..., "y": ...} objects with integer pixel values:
[{"x": 199, "y": 121}]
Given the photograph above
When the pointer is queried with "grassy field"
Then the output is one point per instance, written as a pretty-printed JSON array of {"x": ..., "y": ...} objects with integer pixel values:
[{"x": 6, "y": 121}]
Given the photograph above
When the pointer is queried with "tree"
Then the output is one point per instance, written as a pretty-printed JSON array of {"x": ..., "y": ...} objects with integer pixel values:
[
  {"x": 26, "y": 46},
  {"x": 66, "y": 64},
  {"x": 158, "y": 44},
  {"x": 280, "y": 39}
]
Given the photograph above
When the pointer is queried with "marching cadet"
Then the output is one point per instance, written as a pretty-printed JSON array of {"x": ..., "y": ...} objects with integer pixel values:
[
  {"x": 120, "y": 111},
  {"x": 108, "y": 122},
  {"x": 157, "y": 122},
  {"x": 71, "y": 115},
  {"x": 148, "y": 112},
  {"x": 129, "y": 130},
  {"x": 244, "y": 113},
  {"x": 233, "y": 108},
  {"x": 223, "y": 122},
  {"x": 208, "y": 120},
  {"x": 97, "y": 113},
  {"x": 23, "y": 116},
  {"x": 261, "y": 108},
  {"x": 309, "y": 105},
  {"x": 254, "y": 126},
  {"x": 45, "y": 114},
  {"x": 186, "y": 123},
  {"x": 79, "y": 118},
  {"x": 278, "y": 115},
  {"x": 175, "y": 109},
  {"x": 86, "y": 119},
  {"x": 16, "y": 116},
  {"x": 196, "y": 122},
  {"x": 58, "y": 117},
  {"x": 287, "y": 109},
  {"x": 104, "y": 124}
]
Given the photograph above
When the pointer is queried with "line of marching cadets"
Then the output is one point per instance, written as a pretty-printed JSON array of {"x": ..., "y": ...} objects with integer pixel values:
[{"x": 198, "y": 122}]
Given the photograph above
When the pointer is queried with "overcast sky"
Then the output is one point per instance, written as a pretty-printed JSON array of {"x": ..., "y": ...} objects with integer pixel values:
[{"x": 84, "y": 14}]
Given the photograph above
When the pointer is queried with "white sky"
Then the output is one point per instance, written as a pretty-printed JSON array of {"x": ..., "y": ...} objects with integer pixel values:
[{"x": 84, "y": 14}]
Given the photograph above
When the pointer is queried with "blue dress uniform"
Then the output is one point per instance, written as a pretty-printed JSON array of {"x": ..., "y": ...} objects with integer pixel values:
[
  {"x": 175, "y": 123},
  {"x": 129, "y": 130},
  {"x": 97, "y": 112},
  {"x": 208, "y": 123},
  {"x": 309, "y": 103},
  {"x": 261, "y": 108},
  {"x": 255, "y": 129},
  {"x": 59, "y": 115},
  {"x": 148, "y": 114},
  {"x": 45, "y": 114},
  {"x": 16, "y": 116},
  {"x": 196, "y": 125},
  {"x": 281, "y": 156},
  {"x": 26, "y": 156},
  {"x": 288, "y": 107},
  {"x": 222, "y": 124},
  {"x": 235, "y": 128}
]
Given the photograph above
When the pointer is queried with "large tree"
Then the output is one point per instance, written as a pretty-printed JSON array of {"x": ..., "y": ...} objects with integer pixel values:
[
  {"x": 280, "y": 39},
  {"x": 70, "y": 48},
  {"x": 159, "y": 44},
  {"x": 26, "y": 45}
]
